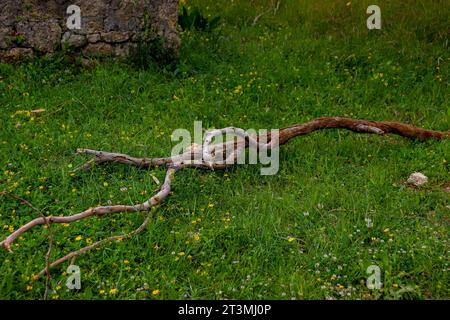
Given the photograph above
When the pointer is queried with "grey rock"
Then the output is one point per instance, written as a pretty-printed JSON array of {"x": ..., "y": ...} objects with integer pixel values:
[
  {"x": 115, "y": 37},
  {"x": 4, "y": 33},
  {"x": 98, "y": 49},
  {"x": 73, "y": 40},
  {"x": 122, "y": 49},
  {"x": 16, "y": 54},
  {"x": 93, "y": 38}
]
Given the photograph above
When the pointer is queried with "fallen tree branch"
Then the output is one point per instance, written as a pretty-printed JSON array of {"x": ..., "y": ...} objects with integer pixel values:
[{"x": 207, "y": 156}]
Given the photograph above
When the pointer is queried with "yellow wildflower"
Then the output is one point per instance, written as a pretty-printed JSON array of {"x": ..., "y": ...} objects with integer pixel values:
[
  {"x": 113, "y": 291},
  {"x": 156, "y": 292}
]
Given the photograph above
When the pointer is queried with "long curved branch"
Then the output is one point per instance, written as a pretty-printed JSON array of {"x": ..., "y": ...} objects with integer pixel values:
[
  {"x": 285, "y": 134},
  {"x": 361, "y": 126}
]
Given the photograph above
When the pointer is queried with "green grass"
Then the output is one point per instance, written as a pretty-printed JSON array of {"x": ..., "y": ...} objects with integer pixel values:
[{"x": 309, "y": 59}]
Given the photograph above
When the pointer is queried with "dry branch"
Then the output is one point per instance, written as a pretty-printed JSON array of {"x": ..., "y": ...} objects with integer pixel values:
[
  {"x": 275, "y": 9},
  {"x": 207, "y": 156}
]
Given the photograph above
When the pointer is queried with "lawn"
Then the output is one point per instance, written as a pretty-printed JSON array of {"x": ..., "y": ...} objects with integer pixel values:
[{"x": 300, "y": 234}]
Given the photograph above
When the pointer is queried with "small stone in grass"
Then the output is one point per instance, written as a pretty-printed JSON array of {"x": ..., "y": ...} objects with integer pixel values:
[{"x": 417, "y": 179}]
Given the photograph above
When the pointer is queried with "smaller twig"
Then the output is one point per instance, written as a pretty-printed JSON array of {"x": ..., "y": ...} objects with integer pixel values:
[
  {"x": 59, "y": 106},
  {"x": 88, "y": 165},
  {"x": 266, "y": 12},
  {"x": 260, "y": 15},
  {"x": 277, "y": 7},
  {"x": 102, "y": 156},
  {"x": 50, "y": 238},
  {"x": 72, "y": 255},
  {"x": 47, "y": 260},
  {"x": 23, "y": 201}
]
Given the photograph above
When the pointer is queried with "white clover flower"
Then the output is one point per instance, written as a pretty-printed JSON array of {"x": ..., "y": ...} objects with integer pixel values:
[{"x": 369, "y": 223}]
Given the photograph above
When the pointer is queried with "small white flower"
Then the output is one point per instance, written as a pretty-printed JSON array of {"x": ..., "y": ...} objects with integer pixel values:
[{"x": 369, "y": 223}]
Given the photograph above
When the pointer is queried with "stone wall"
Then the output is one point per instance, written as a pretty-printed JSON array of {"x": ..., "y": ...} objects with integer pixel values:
[{"x": 108, "y": 27}]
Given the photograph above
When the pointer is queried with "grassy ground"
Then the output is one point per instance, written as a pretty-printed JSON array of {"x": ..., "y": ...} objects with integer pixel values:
[{"x": 237, "y": 234}]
